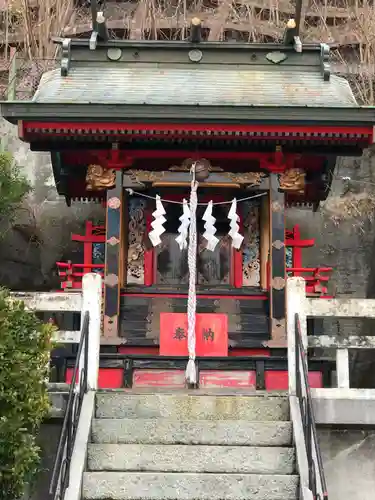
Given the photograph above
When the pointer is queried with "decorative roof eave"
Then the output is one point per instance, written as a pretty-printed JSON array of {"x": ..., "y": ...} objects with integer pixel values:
[{"x": 14, "y": 111}]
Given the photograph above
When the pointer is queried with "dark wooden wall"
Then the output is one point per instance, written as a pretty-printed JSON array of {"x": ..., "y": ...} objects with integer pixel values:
[{"x": 247, "y": 319}]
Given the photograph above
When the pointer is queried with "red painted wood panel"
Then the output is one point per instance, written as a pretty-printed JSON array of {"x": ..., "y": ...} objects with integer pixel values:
[
  {"x": 112, "y": 378},
  {"x": 278, "y": 380},
  {"x": 173, "y": 334},
  {"x": 109, "y": 378},
  {"x": 159, "y": 378},
  {"x": 211, "y": 334},
  {"x": 227, "y": 378}
]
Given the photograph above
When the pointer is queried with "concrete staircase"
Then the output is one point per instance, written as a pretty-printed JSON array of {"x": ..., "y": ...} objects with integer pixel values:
[{"x": 166, "y": 446}]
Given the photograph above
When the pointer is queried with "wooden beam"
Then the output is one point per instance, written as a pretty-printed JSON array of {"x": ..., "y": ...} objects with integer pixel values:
[
  {"x": 277, "y": 261},
  {"x": 337, "y": 341},
  {"x": 264, "y": 241},
  {"x": 341, "y": 308},
  {"x": 124, "y": 240},
  {"x": 112, "y": 280},
  {"x": 50, "y": 301}
]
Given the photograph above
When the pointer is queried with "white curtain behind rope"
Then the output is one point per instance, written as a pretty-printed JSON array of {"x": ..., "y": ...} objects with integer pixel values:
[{"x": 191, "y": 372}]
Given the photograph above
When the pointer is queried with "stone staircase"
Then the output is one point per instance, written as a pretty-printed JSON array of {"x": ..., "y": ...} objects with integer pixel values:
[{"x": 164, "y": 446}]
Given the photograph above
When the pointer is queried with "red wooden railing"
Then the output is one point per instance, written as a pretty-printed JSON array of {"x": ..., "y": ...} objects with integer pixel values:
[
  {"x": 71, "y": 274},
  {"x": 316, "y": 277}
]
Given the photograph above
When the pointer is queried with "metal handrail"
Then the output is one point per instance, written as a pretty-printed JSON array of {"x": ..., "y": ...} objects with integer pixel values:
[
  {"x": 308, "y": 418},
  {"x": 61, "y": 468}
]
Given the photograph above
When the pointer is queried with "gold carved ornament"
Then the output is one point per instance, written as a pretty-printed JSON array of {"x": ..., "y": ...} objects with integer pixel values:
[
  {"x": 293, "y": 179},
  {"x": 99, "y": 178},
  {"x": 137, "y": 236},
  {"x": 249, "y": 178}
]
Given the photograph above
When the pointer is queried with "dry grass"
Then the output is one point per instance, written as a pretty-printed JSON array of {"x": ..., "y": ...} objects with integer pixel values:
[
  {"x": 358, "y": 208},
  {"x": 348, "y": 25}
]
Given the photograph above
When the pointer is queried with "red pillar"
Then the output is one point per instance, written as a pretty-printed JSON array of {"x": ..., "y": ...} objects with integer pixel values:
[{"x": 87, "y": 248}]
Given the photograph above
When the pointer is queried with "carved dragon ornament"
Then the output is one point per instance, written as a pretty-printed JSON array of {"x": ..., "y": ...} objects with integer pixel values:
[
  {"x": 99, "y": 178},
  {"x": 293, "y": 179}
]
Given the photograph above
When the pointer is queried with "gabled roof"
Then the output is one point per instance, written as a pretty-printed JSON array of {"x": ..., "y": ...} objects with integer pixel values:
[
  {"x": 193, "y": 85},
  {"x": 154, "y": 82}
]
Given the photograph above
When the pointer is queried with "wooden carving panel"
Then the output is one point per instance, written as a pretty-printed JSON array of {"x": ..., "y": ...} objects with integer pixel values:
[
  {"x": 136, "y": 236},
  {"x": 251, "y": 245}
]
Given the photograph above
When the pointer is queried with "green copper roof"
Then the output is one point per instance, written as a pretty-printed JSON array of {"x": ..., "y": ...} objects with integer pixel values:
[{"x": 193, "y": 85}]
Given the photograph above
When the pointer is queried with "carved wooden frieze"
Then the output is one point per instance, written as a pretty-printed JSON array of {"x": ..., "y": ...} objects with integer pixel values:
[
  {"x": 293, "y": 179},
  {"x": 99, "y": 178},
  {"x": 248, "y": 178},
  {"x": 134, "y": 178},
  {"x": 251, "y": 244}
]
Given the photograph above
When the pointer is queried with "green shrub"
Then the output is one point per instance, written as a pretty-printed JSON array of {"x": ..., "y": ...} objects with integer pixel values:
[
  {"x": 13, "y": 185},
  {"x": 24, "y": 353}
]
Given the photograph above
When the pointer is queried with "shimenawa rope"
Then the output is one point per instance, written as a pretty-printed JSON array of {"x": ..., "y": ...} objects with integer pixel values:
[{"x": 191, "y": 371}]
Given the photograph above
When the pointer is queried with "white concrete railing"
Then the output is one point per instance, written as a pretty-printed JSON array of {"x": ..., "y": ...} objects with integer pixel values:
[
  {"x": 341, "y": 404},
  {"x": 55, "y": 302},
  {"x": 88, "y": 300}
]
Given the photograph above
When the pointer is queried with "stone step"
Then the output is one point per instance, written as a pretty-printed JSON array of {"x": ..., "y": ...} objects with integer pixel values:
[
  {"x": 186, "y": 406},
  {"x": 211, "y": 432},
  {"x": 187, "y": 458},
  {"x": 173, "y": 486}
]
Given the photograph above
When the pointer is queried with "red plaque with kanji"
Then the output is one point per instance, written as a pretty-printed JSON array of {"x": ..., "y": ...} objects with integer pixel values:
[{"x": 211, "y": 332}]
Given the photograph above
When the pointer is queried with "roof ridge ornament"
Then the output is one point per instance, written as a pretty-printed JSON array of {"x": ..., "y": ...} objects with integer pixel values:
[
  {"x": 291, "y": 35},
  {"x": 99, "y": 27},
  {"x": 65, "y": 57},
  {"x": 292, "y": 30},
  {"x": 195, "y": 30},
  {"x": 324, "y": 61}
]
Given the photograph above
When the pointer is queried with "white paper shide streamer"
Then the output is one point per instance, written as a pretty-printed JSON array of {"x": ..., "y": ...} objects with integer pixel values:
[
  {"x": 210, "y": 229},
  {"x": 184, "y": 226},
  {"x": 157, "y": 224},
  {"x": 237, "y": 238}
]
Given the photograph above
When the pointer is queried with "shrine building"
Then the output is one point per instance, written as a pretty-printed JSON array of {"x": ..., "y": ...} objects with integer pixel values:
[{"x": 127, "y": 122}]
